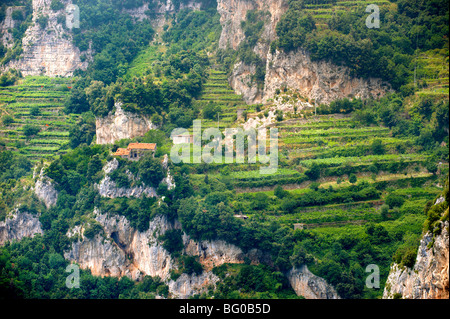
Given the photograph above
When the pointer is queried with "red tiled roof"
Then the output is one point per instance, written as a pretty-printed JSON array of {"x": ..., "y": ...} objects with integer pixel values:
[{"x": 122, "y": 151}]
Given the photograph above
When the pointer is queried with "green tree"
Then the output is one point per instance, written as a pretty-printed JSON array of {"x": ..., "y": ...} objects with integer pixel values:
[
  {"x": 377, "y": 147},
  {"x": 393, "y": 200},
  {"x": 35, "y": 111},
  {"x": 314, "y": 172},
  {"x": 151, "y": 171},
  {"x": 30, "y": 130},
  {"x": 352, "y": 178},
  {"x": 280, "y": 192},
  {"x": 7, "y": 120}
]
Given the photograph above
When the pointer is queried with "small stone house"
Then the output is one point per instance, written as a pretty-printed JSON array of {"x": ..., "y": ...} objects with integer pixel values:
[
  {"x": 183, "y": 139},
  {"x": 135, "y": 151}
]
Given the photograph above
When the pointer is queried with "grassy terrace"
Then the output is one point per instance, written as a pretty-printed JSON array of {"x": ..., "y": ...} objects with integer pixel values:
[
  {"x": 19, "y": 101},
  {"x": 331, "y": 142},
  {"x": 323, "y": 12},
  {"x": 217, "y": 90}
]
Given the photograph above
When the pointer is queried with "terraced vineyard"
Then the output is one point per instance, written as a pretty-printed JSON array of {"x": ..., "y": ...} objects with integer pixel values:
[
  {"x": 432, "y": 73},
  {"x": 325, "y": 11},
  {"x": 339, "y": 146},
  {"x": 36, "y": 101},
  {"x": 216, "y": 90}
]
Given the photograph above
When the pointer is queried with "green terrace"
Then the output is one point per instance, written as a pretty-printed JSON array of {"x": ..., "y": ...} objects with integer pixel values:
[
  {"x": 325, "y": 11},
  {"x": 216, "y": 90},
  {"x": 37, "y": 101}
]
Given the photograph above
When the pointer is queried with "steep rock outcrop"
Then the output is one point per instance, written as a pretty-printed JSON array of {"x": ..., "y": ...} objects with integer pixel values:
[
  {"x": 428, "y": 279},
  {"x": 121, "y": 124},
  {"x": 18, "y": 225},
  {"x": 308, "y": 285},
  {"x": 159, "y": 10},
  {"x": 188, "y": 285},
  {"x": 8, "y": 24},
  {"x": 233, "y": 12},
  {"x": 108, "y": 188},
  {"x": 45, "y": 190},
  {"x": 213, "y": 253},
  {"x": 321, "y": 81},
  {"x": 122, "y": 250},
  {"x": 241, "y": 82},
  {"x": 48, "y": 51}
]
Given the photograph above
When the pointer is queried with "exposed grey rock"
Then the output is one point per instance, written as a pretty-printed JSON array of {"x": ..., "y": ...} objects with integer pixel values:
[
  {"x": 188, "y": 285},
  {"x": 428, "y": 279},
  {"x": 50, "y": 51},
  {"x": 45, "y": 190},
  {"x": 8, "y": 24},
  {"x": 121, "y": 250},
  {"x": 108, "y": 188},
  {"x": 18, "y": 225},
  {"x": 120, "y": 124},
  {"x": 321, "y": 81},
  {"x": 310, "y": 286}
]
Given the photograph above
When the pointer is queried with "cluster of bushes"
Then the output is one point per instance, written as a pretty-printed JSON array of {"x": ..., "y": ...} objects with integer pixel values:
[
  {"x": 251, "y": 281},
  {"x": 323, "y": 196},
  {"x": 147, "y": 170},
  {"x": 9, "y": 77}
]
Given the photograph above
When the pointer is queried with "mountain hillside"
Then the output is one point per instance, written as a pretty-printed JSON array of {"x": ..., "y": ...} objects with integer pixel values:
[{"x": 99, "y": 131}]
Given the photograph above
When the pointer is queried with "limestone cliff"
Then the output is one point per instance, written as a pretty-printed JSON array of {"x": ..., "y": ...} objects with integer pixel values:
[
  {"x": 121, "y": 124},
  {"x": 48, "y": 51},
  {"x": 308, "y": 285},
  {"x": 321, "y": 81},
  {"x": 428, "y": 279},
  {"x": 7, "y": 25},
  {"x": 108, "y": 188},
  {"x": 233, "y": 12},
  {"x": 120, "y": 250},
  {"x": 45, "y": 190},
  {"x": 18, "y": 225},
  {"x": 159, "y": 10}
]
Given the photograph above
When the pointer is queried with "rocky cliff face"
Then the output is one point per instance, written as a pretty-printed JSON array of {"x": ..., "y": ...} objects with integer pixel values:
[
  {"x": 8, "y": 23},
  {"x": 45, "y": 190},
  {"x": 108, "y": 188},
  {"x": 308, "y": 285},
  {"x": 18, "y": 225},
  {"x": 121, "y": 124},
  {"x": 48, "y": 51},
  {"x": 123, "y": 251},
  {"x": 320, "y": 81},
  {"x": 159, "y": 10},
  {"x": 233, "y": 12},
  {"x": 429, "y": 277}
]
